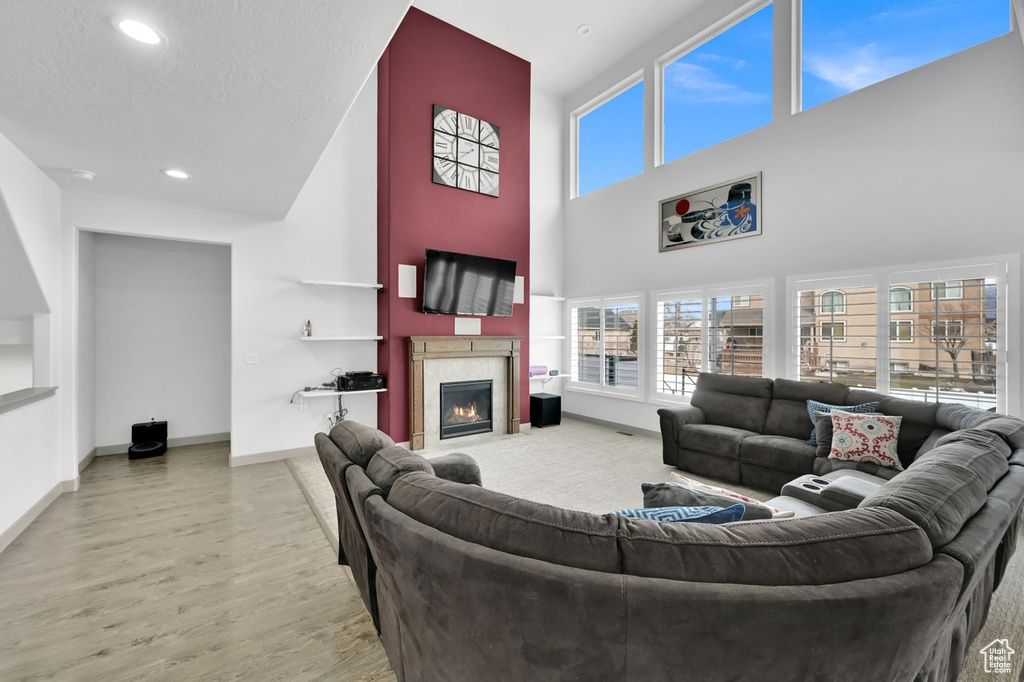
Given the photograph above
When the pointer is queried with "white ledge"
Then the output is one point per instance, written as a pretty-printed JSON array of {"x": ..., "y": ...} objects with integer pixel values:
[{"x": 26, "y": 396}]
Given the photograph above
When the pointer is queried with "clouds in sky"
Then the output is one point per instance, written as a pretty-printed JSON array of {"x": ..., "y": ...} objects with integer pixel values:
[
  {"x": 855, "y": 68},
  {"x": 696, "y": 83}
]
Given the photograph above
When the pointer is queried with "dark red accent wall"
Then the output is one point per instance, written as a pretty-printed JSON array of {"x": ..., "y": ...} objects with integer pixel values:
[{"x": 430, "y": 62}]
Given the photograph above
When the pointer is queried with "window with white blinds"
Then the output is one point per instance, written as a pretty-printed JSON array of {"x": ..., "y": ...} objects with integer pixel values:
[
  {"x": 950, "y": 350},
  {"x": 706, "y": 331},
  {"x": 838, "y": 332},
  {"x": 605, "y": 344}
]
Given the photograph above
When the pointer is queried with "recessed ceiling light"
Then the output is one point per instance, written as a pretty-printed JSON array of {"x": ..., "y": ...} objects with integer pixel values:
[
  {"x": 583, "y": 29},
  {"x": 82, "y": 174},
  {"x": 141, "y": 32},
  {"x": 177, "y": 174}
]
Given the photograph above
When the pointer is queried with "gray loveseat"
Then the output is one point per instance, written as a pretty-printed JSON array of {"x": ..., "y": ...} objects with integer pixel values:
[{"x": 469, "y": 584}]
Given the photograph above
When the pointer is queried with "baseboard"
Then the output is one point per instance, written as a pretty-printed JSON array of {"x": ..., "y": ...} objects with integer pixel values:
[
  {"x": 71, "y": 486},
  {"x": 87, "y": 460},
  {"x": 122, "y": 448},
  {"x": 18, "y": 527},
  {"x": 612, "y": 425},
  {"x": 273, "y": 456}
]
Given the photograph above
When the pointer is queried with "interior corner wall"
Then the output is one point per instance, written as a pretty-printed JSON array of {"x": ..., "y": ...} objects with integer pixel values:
[
  {"x": 911, "y": 170},
  {"x": 328, "y": 234},
  {"x": 162, "y": 337},
  {"x": 85, "y": 351},
  {"x": 430, "y": 62}
]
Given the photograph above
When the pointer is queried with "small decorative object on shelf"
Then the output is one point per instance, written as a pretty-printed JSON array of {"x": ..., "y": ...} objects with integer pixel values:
[{"x": 307, "y": 330}]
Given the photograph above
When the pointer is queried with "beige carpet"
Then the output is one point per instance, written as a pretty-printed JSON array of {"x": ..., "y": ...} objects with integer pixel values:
[{"x": 592, "y": 468}]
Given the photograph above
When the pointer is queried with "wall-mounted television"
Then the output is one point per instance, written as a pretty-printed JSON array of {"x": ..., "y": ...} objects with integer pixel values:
[{"x": 460, "y": 284}]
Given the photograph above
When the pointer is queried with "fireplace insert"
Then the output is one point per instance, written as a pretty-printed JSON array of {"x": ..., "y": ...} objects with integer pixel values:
[{"x": 466, "y": 408}]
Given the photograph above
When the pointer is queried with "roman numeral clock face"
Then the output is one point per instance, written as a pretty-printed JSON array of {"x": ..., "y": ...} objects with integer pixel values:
[{"x": 466, "y": 151}]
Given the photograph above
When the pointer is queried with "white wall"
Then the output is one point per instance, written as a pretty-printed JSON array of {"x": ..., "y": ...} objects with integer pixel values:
[
  {"x": 162, "y": 337},
  {"x": 15, "y": 367},
  {"x": 547, "y": 231},
  {"x": 84, "y": 355},
  {"x": 30, "y": 456},
  {"x": 916, "y": 169},
  {"x": 330, "y": 233}
]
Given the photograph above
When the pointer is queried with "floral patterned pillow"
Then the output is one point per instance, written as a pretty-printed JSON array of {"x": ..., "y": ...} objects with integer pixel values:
[{"x": 867, "y": 438}]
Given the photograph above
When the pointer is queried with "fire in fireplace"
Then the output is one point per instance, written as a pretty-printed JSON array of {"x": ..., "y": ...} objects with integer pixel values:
[{"x": 465, "y": 408}]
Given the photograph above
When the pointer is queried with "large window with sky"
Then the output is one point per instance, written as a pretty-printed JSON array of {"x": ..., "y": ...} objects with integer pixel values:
[
  {"x": 610, "y": 139},
  {"x": 720, "y": 89},
  {"x": 851, "y": 45}
]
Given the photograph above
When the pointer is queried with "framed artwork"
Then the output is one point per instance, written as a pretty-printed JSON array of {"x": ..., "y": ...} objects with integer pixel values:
[
  {"x": 466, "y": 152},
  {"x": 719, "y": 213}
]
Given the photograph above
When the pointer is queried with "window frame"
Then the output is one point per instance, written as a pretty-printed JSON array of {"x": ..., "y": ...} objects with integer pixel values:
[
  {"x": 661, "y": 63},
  {"x": 897, "y": 339},
  {"x": 574, "y": 130},
  {"x": 602, "y": 303}
]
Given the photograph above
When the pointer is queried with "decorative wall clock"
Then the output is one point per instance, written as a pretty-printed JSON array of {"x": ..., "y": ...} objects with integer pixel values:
[{"x": 466, "y": 152}]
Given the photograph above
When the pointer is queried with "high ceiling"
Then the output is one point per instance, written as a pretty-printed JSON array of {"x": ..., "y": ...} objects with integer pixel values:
[
  {"x": 544, "y": 32},
  {"x": 245, "y": 95}
]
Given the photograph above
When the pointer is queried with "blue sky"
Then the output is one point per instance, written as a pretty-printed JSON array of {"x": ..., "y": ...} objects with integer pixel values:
[{"x": 723, "y": 88}]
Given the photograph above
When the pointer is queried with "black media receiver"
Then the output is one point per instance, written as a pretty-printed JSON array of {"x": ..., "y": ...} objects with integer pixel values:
[{"x": 360, "y": 381}]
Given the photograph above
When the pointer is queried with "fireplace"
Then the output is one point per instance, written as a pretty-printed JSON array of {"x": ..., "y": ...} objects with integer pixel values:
[{"x": 465, "y": 408}]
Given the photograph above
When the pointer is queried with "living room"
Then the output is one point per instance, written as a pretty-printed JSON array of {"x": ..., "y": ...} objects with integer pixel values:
[{"x": 236, "y": 174}]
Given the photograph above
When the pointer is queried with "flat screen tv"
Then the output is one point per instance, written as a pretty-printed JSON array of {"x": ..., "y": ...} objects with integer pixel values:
[{"x": 460, "y": 284}]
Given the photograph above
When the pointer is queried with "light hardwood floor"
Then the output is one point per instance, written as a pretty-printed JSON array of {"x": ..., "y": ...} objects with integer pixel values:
[{"x": 181, "y": 568}]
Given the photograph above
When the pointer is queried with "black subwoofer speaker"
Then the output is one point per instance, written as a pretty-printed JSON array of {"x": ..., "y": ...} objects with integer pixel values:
[{"x": 545, "y": 409}]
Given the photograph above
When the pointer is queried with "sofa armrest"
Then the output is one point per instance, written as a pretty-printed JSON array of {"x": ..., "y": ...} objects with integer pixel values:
[
  {"x": 457, "y": 467},
  {"x": 672, "y": 419}
]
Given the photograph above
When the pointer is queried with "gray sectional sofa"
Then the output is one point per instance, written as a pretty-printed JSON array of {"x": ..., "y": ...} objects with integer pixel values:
[{"x": 468, "y": 584}]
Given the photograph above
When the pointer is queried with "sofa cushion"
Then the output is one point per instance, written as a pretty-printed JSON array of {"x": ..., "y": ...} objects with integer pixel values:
[
  {"x": 955, "y": 417},
  {"x": 737, "y": 402},
  {"x": 779, "y": 452},
  {"x": 1010, "y": 429},
  {"x": 390, "y": 464},
  {"x": 946, "y": 487},
  {"x": 919, "y": 420},
  {"x": 824, "y": 466},
  {"x": 714, "y": 439},
  {"x": 929, "y": 444},
  {"x": 458, "y": 467},
  {"x": 700, "y": 514},
  {"x": 359, "y": 442},
  {"x": 787, "y": 414},
  {"x": 510, "y": 524},
  {"x": 818, "y": 550}
]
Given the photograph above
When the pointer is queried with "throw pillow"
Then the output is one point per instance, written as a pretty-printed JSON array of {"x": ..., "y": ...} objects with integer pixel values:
[
  {"x": 823, "y": 427},
  {"x": 694, "y": 484},
  {"x": 688, "y": 514},
  {"x": 678, "y": 495},
  {"x": 815, "y": 406},
  {"x": 867, "y": 438}
]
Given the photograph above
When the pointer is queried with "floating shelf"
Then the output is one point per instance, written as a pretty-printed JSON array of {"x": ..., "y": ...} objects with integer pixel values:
[
  {"x": 329, "y": 283},
  {"x": 318, "y": 394},
  {"x": 340, "y": 338},
  {"x": 547, "y": 338},
  {"x": 548, "y": 298}
]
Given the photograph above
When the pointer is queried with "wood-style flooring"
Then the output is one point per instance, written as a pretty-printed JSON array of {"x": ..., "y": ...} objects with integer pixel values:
[{"x": 181, "y": 568}]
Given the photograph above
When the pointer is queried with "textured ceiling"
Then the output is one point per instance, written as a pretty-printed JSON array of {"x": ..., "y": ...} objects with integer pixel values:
[
  {"x": 543, "y": 32},
  {"x": 245, "y": 95}
]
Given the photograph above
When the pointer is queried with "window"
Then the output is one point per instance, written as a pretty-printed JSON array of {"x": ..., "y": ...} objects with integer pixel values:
[
  {"x": 832, "y": 349},
  {"x": 899, "y": 367},
  {"x": 901, "y": 331},
  {"x": 706, "y": 331},
  {"x": 901, "y": 300},
  {"x": 605, "y": 346},
  {"x": 947, "y": 290},
  {"x": 610, "y": 139},
  {"x": 680, "y": 319},
  {"x": 720, "y": 89},
  {"x": 736, "y": 335},
  {"x": 833, "y": 302},
  {"x": 851, "y": 45},
  {"x": 954, "y": 357},
  {"x": 835, "y": 331}
]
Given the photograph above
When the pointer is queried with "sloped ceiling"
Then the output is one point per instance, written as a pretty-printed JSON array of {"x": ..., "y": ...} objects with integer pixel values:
[{"x": 245, "y": 95}]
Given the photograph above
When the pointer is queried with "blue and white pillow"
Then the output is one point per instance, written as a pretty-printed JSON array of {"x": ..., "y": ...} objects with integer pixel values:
[
  {"x": 687, "y": 514},
  {"x": 814, "y": 406}
]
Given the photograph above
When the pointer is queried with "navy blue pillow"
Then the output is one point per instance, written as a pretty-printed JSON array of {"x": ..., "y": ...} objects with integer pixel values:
[
  {"x": 814, "y": 406},
  {"x": 687, "y": 514}
]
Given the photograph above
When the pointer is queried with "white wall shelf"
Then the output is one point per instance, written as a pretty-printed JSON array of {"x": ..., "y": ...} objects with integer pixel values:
[
  {"x": 340, "y": 338},
  {"x": 318, "y": 394},
  {"x": 330, "y": 283},
  {"x": 547, "y": 338},
  {"x": 547, "y": 298}
]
